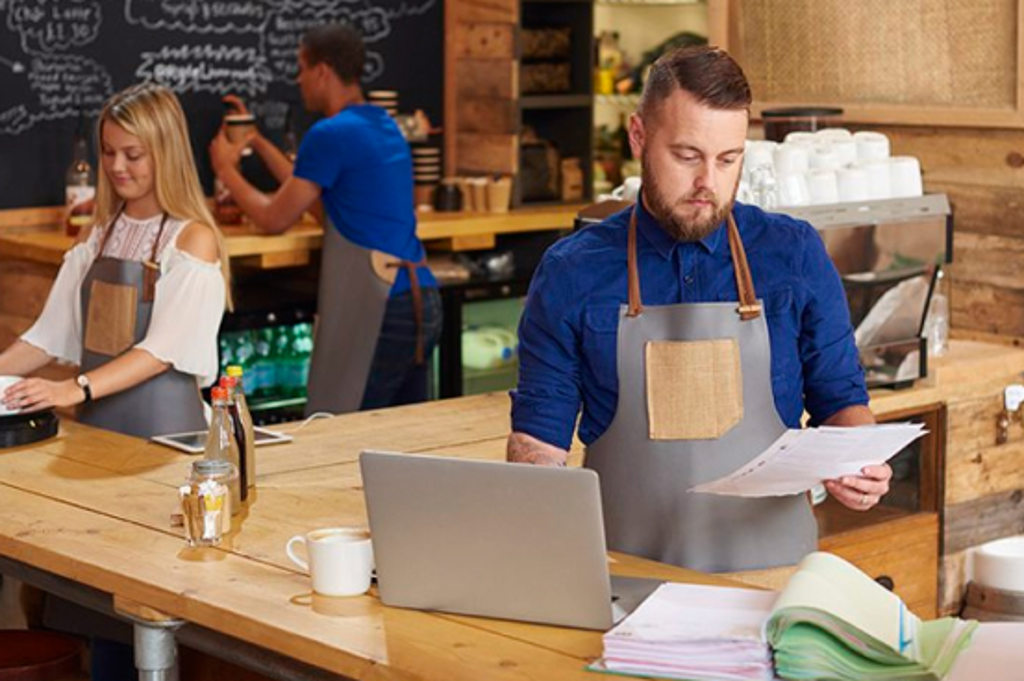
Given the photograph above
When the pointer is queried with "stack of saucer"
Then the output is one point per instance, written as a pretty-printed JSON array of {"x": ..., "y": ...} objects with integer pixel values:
[
  {"x": 426, "y": 172},
  {"x": 387, "y": 99}
]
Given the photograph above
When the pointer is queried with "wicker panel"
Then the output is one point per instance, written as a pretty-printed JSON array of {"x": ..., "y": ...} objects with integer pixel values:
[{"x": 944, "y": 53}]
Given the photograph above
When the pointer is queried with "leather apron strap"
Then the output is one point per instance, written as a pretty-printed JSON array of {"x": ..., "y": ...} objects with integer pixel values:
[
  {"x": 417, "y": 303},
  {"x": 748, "y": 308}
]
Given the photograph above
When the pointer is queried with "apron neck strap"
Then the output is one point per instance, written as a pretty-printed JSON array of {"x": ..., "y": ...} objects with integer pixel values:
[
  {"x": 748, "y": 309},
  {"x": 152, "y": 262}
]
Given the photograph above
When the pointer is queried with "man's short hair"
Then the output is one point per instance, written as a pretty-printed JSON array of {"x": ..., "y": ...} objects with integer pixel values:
[
  {"x": 707, "y": 73},
  {"x": 339, "y": 46}
]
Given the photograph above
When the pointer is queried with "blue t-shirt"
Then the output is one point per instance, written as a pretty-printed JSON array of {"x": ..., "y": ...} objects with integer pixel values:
[
  {"x": 567, "y": 336},
  {"x": 364, "y": 169}
]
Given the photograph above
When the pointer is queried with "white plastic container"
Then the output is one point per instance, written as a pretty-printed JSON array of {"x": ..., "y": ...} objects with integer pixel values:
[{"x": 999, "y": 564}]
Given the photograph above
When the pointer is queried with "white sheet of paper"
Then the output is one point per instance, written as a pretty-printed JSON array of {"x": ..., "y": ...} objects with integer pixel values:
[
  {"x": 801, "y": 459},
  {"x": 994, "y": 654}
]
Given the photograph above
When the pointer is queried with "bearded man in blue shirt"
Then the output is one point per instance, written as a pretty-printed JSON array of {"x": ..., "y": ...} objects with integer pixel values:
[{"x": 692, "y": 330}]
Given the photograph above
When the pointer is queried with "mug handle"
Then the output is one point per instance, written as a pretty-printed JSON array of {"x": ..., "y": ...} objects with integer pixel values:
[{"x": 291, "y": 553}]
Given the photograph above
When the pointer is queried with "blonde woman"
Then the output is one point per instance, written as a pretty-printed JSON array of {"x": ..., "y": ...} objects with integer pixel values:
[{"x": 138, "y": 300}]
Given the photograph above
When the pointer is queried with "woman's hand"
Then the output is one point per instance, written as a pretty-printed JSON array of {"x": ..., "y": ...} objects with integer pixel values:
[
  {"x": 861, "y": 492},
  {"x": 33, "y": 394}
]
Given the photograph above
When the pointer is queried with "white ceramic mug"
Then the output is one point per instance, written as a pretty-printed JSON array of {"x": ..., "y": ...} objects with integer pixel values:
[
  {"x": 904, "y": 177},
  {"x": 793, "y": 190},
  {"x": 791, "y": 158},
  {"x": 879, "y": 184},
  {"x": 832, "y": 134},
  {"x": 871, "y": 146},
  {"x": 853, "y": 184},
  {"x": 822, "y": 187},
  {"x": 5, "y": 383},
  {"x": 628, "y": 190},
  {"x": 340, "y": 559}
]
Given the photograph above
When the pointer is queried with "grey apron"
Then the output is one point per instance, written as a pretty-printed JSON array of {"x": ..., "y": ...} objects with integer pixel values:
[
  {"x": 355, "y": 284},
  {"x": 652, "y": 452},
  {"x": 117, "y": 302}
]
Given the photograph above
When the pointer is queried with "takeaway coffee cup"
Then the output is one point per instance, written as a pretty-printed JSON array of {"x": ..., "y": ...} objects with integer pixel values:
[
  {"x": 239, "y": 127},
  {"x": 340, "y": 559}
]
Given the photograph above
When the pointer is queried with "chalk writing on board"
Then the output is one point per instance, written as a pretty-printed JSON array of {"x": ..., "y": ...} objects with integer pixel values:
[
  {"x": 272, "y": 113},
  {"x": 286, "y": 26},
  {"x": 207, "y": 68},
  {"x": 58, "y": 86},
  {"x": 373, "y": 68},
  {"x": 198, "y": 16},
  {"x": 52, "y": 25},
  {"x": 410, "y": 9},
  {"x": 14, "y": 66}
]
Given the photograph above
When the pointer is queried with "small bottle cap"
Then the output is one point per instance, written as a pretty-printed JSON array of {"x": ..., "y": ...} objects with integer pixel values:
[
  {"x": 210, "y": 467},
  {"x": 234, "y": 370},
  {"x": 219, "y": 393},
  {"x": 228, "y": 381}
]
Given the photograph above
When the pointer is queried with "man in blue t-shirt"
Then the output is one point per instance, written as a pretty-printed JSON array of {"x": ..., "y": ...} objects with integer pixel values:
[{"x": 373, "y": 333}]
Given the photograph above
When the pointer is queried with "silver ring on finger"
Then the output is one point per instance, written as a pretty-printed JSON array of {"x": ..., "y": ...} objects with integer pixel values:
[{"x": 864, "y": 499}]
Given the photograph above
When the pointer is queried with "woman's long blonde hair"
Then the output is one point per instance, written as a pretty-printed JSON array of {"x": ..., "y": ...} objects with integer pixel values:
[{"x": 153, "y": 114}]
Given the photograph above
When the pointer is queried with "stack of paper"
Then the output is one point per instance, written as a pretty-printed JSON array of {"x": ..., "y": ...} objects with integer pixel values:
[
  {"x": 689, "y": 631},
  {"x": 801, "y": 459},
  {"x": 830, "y": 622}
]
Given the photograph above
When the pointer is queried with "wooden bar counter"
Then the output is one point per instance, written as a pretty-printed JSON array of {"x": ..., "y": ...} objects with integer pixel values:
[
  {"x": 93, "y": 507},
  {"x": 34, "y": 234}
]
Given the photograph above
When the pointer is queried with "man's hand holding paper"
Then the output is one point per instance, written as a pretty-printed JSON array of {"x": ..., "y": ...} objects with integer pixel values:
[{"x": 850, "y": 461}]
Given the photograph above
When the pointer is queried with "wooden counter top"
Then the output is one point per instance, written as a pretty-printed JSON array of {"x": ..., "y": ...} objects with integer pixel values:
[
  {"x": 93, "y": 506},
  {"x": 34, "y": 234}
]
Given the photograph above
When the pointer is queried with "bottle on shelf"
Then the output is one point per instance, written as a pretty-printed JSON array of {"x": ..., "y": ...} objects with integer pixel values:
[
  {"x": 79, "y": 184},
  {"x": 243, "y": 428},
  {"x": 220, "y": 440}
]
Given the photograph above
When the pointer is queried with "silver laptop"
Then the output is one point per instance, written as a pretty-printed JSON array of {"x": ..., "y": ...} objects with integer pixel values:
[{"x": 503, "y": 540}]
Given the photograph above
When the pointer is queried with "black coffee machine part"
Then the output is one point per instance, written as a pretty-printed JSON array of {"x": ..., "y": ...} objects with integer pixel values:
[{"x": 23, "y": 429}]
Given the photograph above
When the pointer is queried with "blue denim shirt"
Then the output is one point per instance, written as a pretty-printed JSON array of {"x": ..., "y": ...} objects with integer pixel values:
[{"x": 567, "y": 335}]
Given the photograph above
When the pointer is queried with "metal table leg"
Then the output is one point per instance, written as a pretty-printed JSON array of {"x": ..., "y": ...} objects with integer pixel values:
[{"x": 156, "y": 651}]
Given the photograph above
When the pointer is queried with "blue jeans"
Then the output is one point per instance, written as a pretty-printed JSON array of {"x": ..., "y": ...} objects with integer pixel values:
[{"x": 394, "y": 376}]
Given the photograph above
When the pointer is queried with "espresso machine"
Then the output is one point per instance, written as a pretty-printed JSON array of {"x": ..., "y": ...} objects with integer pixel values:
[{"x": 889, "y": 254}]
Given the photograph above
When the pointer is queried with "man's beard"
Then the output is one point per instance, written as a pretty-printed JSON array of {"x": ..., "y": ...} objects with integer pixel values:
[{"x": 676, "y": 225}]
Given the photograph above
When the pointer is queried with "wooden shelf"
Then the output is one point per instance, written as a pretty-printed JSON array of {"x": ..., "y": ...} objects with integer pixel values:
[
  {"x": 642, "y": 3},
  {"x": 569, "y": 101},
  {"x": 629, "y": 101}
]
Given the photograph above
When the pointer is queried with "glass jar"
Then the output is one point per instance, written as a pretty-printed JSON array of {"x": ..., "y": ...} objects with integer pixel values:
[{"x": 206, "y": 501}]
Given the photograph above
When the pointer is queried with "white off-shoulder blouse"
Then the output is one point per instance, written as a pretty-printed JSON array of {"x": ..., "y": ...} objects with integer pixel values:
[{"x": 187, "y": 307}]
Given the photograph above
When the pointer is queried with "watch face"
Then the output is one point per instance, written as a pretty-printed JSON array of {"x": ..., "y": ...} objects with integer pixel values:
[{"x": 82, "y": 381}]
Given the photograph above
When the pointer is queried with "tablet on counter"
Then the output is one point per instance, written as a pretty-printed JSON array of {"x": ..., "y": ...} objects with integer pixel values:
[{"x": 195, "y": 442}]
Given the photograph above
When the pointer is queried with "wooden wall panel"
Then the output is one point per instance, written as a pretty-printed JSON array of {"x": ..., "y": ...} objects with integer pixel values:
[
  {"x": 952, "y": 579},
  {"x": 488, "y": 115},
  {"x": 486, "y": 78},
  {"x": 488, "y": 11},
  {"x": 981, "y": 520},
  {"x": 488, "y": 153},
  {"x": 484, "y": 41}
]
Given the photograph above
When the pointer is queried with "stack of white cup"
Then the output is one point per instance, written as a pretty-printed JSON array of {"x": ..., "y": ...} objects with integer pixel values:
[{"x": 828, "y": 166}]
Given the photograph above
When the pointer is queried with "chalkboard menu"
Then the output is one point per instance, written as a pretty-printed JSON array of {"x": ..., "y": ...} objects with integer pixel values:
[{"x": 61, "y": 59}]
